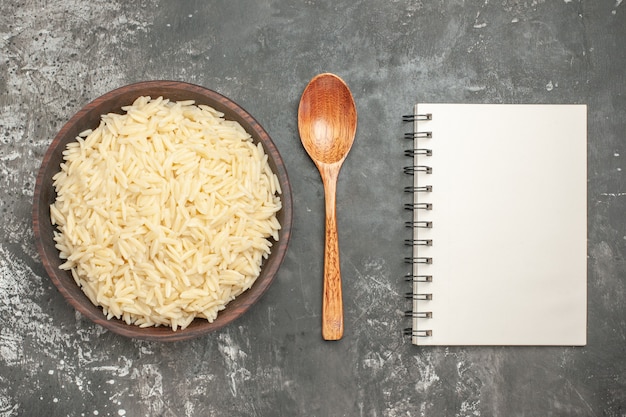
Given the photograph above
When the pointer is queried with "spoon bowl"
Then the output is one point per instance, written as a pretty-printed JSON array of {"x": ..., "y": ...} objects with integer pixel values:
[{"x": 327, "y": 120}]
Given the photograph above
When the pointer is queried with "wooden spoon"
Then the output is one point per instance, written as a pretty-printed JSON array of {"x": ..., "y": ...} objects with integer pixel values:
[{"x": 327, "y": 124}]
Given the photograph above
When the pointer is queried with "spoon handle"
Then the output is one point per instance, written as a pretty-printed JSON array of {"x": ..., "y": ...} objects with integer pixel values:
[{"x": 332, "y": 302}]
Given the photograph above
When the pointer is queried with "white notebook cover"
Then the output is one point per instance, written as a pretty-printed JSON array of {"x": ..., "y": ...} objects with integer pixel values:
[{"x": 509, "y": 225}]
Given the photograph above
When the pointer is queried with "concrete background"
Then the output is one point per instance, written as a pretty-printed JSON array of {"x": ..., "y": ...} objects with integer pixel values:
[{"x": 57, "y": 55}]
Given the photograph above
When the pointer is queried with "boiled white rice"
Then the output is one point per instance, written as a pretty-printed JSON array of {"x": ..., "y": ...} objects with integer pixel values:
[{"x": 165, "y": 213}]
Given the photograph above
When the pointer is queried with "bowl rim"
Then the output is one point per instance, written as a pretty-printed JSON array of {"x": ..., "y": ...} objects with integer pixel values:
[{"x": 67, "y": 287}]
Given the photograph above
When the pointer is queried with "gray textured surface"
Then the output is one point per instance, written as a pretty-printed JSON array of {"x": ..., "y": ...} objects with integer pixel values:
[{"x": 55, "y": 56}]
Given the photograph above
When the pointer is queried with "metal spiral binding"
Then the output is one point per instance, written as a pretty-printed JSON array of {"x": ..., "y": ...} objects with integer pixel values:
[
  {"x": 418, "y": 135},
  {"x": 418, "y": 206},
  {"x": 420, "y": 224},
  {"x": 417, "y": 117},
  {"x": 418, "y": 278},
  {"x": 418, "y": 168},
  {"x": 419, "y": 314},
  {"x": 418, "y": 242},
  {"x": 422, "y": 297},
  {"x": 413, "y": 152},
  {"x": 422, "y": 189},
  {"x": 418, "y": 152},
  {"x": 417, "y": 333},
  {"x": 418, "y": 260}
]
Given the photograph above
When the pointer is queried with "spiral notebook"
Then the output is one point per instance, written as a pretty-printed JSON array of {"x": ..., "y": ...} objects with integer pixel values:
[{"x": 499, "y": 224}]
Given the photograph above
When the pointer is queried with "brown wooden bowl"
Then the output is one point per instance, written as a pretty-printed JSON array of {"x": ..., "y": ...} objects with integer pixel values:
[{"x": 45, "y": 195}]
